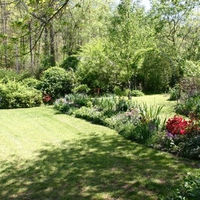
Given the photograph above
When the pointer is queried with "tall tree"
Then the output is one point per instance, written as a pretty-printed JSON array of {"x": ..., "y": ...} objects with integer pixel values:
[
  {"x": 83, "y": 21},
  {"x": 172, "y": 31},
  {"x": 129, "y": 39},
  {"x": 43, "y": 13}
]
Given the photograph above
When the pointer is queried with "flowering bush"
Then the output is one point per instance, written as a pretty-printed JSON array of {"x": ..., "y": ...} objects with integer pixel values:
[
  {"x": 183, "y": 136},
  {"x": 177, "y": 125}
]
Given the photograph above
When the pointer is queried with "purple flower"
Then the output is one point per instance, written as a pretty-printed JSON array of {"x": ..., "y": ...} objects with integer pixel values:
[{"x": 170, "y": 135}]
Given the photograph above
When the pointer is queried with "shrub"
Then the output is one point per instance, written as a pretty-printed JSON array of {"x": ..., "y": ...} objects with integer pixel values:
[
  {"x": 72, "y": 101},
  {"x": 137, "y": 93},
  {"x": 174, "y": 92},
  {"x": 71, "y": 62},
  {"x": 56, "y": 82},
  {"x": 177, "y": 125},
  {"x": 118, "y": 91},
  {"x": 183, "y": 137},
  {"x": 124, "y": 123},
  {"x": 127, "y": 92},
  {"x": 183, "y": 145},
  {"x": 190, "y": 105},
  {"x": 148, "y": 126},
  {"x": 83, "y": 89},
  {"x": 139, "y": 123},
  {"x": 77, "y": 100},
  {"x": 62, "y": 105},
  {"x": 90, "y": 114},
  {"x": 122, "y": 105},
  {"x": 16, "y": 95},
  {"x": 31, "y": 82}
]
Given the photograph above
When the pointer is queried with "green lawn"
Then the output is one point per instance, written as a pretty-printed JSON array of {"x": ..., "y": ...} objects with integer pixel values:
[
  {"x": 49, "y": 156},
  {"x": 159, "y": 100}
]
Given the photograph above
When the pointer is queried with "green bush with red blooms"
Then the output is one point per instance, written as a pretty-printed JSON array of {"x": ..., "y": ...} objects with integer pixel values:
[
  {"x": 183, "y": 136},
  {"x": 179, "y": 126}
]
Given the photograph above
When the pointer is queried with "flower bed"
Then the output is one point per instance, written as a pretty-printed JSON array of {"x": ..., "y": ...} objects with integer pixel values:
[
  {"x": 183, "y": 136},
  {"x": 139, "y": 123}
]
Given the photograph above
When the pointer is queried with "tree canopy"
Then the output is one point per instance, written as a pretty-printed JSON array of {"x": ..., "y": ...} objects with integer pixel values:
[{"x": 104, "y": 44}]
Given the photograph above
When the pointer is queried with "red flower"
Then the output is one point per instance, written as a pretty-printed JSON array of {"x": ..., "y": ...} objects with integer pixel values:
[
  {"x": 46, "y": 98},
  {"x": 177, "y": 125}
]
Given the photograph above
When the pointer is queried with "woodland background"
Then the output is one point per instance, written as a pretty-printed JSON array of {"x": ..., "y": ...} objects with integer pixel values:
[{"x": 101, "y": 44}]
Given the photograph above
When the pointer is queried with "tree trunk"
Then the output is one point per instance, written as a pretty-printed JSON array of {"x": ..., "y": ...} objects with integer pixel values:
[
  {"x": 31, "y": 49},
  {"x": 52, "y": 48}
]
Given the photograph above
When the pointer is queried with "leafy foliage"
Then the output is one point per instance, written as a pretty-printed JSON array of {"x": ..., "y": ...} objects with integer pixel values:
[
  {"x": 31, "y": 82},
  {"x": 56, "y": 82},
  {"x": 70, "y": 101},
  {"x": 183, "y": 137},
  {"x": 156, "y": 72},
  {"x": 190, "y": 105},
  {"x": 174, "y": 93},
  {"x": 189, "y": 188},
  {"x": 90, "y": 114},
  {"x": 137, "y": 93},
  {"x": 62, "y": 105},
  {"x": 6, "y": 75},
  {"x": 71, "y": 62},
  {"x": 16, "y": 95},
  {"x": 94, "y": 69},
  {"x": 135, "y": 122},
  {"x": 82, "y": 88}
]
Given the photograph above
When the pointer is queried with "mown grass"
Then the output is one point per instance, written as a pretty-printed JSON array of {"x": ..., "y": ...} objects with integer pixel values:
[
  {"x": 46, "y": 155},
  {"x": 158, "y": 100}
]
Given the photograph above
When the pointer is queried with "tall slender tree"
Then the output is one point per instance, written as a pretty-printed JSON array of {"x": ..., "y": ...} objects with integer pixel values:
[{"x": 129, "y": 38}]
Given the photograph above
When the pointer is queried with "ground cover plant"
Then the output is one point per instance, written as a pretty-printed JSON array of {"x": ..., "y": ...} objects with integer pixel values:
[
  {"x": 189, "y": 189},
  {"x": 47, "y": 155}
]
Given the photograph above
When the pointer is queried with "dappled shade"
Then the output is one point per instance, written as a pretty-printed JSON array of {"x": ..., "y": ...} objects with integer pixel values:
[{"x": 96, "y": 167}]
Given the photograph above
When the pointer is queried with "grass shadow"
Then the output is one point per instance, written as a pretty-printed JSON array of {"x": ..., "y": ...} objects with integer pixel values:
[{"x": 95, "y": 167}]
